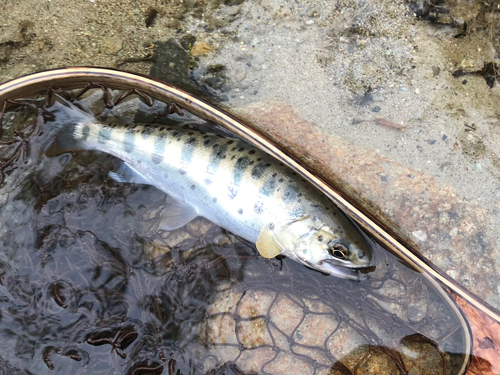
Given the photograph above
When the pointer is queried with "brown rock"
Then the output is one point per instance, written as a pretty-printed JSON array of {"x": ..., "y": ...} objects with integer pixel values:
[
  {"x": 486, "y": 334},
  {"x": 200, "y": 49},
  {"x": 448, "y": 230}
]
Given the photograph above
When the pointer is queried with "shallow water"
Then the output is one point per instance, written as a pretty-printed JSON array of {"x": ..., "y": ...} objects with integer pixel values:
[{"x": 88, "y": 284}]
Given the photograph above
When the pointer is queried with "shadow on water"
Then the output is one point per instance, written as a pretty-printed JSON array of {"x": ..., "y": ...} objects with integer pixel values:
[{"x": 88, "y": 284}]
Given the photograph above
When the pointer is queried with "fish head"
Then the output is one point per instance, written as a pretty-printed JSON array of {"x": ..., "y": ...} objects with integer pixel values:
[{"x": 319, "y": 247}]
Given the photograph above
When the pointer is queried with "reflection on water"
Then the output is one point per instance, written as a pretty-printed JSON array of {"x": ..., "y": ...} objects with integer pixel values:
[{"x": 89, "y": 285}]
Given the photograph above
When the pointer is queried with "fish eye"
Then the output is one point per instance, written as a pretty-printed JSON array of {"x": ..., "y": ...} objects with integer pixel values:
[{"x": 338, "y": 250}]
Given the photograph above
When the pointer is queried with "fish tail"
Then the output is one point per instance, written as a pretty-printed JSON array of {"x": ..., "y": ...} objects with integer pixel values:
[{"x": 71, "y": 126}]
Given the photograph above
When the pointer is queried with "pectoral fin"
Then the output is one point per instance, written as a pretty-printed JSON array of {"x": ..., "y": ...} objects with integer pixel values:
[
  {"x": 176, "y": 215},
  {"x": 267, "y": 245},
  {"x": 128, "y": 174}
]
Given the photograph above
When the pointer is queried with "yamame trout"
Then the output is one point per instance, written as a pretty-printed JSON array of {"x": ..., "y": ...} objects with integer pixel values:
[{"x": 227, "y": 181}]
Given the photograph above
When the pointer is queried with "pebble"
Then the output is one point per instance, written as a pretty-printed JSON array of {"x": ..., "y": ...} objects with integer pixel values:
[
  {"x": 420, "y": 235},
  {"x": 200, "y": 49},
  {"x": 452, "y": 274},
  {"x": 309, "y": 22},
  {"x": 112, "y": 46},
  {"x": 232, "y": 10}
]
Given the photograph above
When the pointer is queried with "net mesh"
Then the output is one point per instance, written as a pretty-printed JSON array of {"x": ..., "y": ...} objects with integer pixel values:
[{"x": 88, "y": 284}]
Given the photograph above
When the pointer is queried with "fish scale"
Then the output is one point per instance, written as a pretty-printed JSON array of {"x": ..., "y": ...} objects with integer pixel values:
[
  {"x": 231, "y": 183},
  {"x": 214, "y": 166}
]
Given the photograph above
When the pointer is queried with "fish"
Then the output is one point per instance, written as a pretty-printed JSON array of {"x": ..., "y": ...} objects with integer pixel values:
[{"x": 227, "y": 181}]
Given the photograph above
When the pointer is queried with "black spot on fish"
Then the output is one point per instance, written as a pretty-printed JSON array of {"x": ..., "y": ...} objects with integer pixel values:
[
  {"x": 320, "y": 238},
  {"x": 294, "y": 174},
  {"x": 215, "y": 145},
  {"x": 234, "y": 148},
  {"x": 206, "y": 142},
  {"x": 104, "y": 135},
  {"x": 193, "y": 187},
  {"x": 159, "y": 150},
  {"x": 251, "y": 162},
  {"x": 207, "y": 181},
  {"x": 218, "y": 153},
  {"x": 182, "y": 171},
  {"x": 259, "y": 169},
  {"x": 280, "y": 180},
  {"x": 176, "y": 133},
  {"x": 241, "y": 149},
  {"x": 233, "y": 157},
  {"x": 205, "y": 136},
  {"x": 214, "y": 199},
  {"x": 290, "y": 194},
  {"x": 258, "y": 208},
  {"x": 240, "y": 210},
  {"x": 259, "y": 159},
  {"x": 190, "y": 133},
  {"x": 275, "y": 174},
  {"x": 251, "y": 152},
  {"x": 146, "y": 132},
  {"x": 239, "y": 169},
  {"x": 230, "y": 142},
  {"x": 271, "y": 226},
  {"x": 268, "y": 188}
]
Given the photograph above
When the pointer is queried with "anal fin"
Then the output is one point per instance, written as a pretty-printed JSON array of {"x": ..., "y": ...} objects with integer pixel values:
[{"x": 175, "y": 215}]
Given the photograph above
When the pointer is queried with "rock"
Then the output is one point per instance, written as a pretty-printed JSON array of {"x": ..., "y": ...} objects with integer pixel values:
[
  {"x": 112, "y": 46},
  {"x": 187, "y": 41},
  {"x": 232, "y": 10},
  {"x": 5, "y": 52},
  {"x": 486, "y": 333}
]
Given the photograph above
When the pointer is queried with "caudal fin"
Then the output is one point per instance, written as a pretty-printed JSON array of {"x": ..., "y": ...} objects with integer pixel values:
[{"x": 69, "y": 120}]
